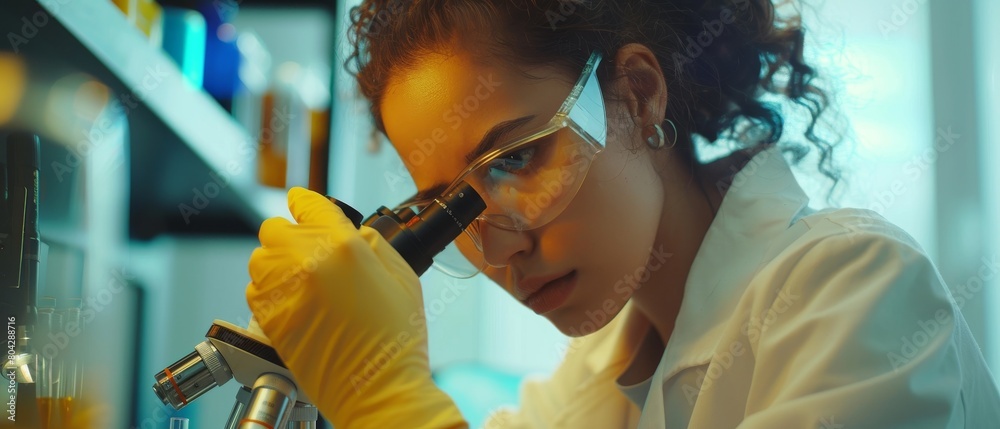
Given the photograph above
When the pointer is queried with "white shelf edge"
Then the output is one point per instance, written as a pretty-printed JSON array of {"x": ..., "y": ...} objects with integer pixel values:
[{"x": 152, "y": 77}]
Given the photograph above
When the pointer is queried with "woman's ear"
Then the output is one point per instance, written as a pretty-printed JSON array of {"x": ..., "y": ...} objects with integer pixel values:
[{"x": 640, "y": 81}]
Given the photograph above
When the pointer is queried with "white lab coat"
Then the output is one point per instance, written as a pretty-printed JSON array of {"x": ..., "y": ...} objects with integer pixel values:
[{"x": 791, "y": 319}]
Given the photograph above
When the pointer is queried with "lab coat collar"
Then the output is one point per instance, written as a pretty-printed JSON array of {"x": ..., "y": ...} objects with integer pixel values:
[{"x": 762, "y": 201}]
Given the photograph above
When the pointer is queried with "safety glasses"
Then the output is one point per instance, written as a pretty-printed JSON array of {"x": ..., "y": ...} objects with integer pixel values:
[{"x": 530, "y": 180}]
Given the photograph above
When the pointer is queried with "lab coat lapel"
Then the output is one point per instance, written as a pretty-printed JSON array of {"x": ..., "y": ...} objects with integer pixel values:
[{"x": 761, "y": 203}]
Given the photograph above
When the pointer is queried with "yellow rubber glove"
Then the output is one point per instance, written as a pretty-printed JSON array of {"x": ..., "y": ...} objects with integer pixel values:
[{"x": 345, "y": 313}]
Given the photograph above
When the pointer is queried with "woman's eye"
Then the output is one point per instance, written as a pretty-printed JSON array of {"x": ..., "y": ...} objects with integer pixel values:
[{"x": 512, "y": 163}]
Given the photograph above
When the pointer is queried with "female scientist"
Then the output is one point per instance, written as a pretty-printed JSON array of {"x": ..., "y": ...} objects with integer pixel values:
[{"x": 700, "y": 295}]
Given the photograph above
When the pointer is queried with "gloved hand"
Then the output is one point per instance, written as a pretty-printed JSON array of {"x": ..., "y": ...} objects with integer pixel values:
[{"x": 345, "y": 313}]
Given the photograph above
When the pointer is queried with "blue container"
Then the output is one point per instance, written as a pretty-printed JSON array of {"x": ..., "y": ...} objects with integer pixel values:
[
  {"x": 222, "y": 57},
  {"x": 184, "y": 40}
]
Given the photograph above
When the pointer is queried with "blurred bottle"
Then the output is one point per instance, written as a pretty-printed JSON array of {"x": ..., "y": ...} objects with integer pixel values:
[
  {"x": 319, "y": 155},
  {"x": 71, "y": 384},
  {"x": 146, "y": 15},
  {"x": 184, "y": 40},
  {"x": 316, "y": 93},
  {"x": 255, "y": 69},
  {"x": 48, "y": 363},
  {"x": 283, "y": 127},
  {"x": 295, "y": 130}
]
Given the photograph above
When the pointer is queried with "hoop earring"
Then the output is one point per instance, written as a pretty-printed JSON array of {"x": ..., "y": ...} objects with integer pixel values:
[
  {"x": 674, "y": 128},
  {"x": 659, "y": 140}
]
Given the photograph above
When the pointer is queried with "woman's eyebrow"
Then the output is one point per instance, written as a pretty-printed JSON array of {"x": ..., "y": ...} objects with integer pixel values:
[{"x": 495, "y": 135}]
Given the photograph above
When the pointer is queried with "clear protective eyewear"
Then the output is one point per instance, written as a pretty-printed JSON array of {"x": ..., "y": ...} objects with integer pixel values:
[{"x": 532, "y": 179}]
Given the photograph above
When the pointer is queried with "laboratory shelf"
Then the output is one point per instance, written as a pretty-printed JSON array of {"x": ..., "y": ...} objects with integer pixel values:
[{"x": 173, "y": 115}]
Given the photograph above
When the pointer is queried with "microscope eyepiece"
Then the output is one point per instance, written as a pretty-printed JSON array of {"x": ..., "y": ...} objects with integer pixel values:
[
  {"x": 419, "y": 237},
  {"x": 446, "y": 218}
]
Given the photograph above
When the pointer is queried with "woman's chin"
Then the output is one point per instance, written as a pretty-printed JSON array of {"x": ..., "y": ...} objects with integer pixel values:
[{"x": 574, "y": 322}]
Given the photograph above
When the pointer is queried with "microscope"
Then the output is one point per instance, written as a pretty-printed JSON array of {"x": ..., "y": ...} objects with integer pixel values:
[
  {"x": 268, "y": 396},
  {"x": 19, "y": 260}
]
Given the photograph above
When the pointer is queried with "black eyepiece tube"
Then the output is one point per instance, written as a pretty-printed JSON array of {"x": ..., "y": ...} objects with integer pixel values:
[
  {"x": 446, "y": 218},
  {"x": 419, "y": 237}
]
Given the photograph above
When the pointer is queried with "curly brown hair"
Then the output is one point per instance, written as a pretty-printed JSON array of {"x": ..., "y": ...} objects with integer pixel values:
[{"x": 722, "y": 59}]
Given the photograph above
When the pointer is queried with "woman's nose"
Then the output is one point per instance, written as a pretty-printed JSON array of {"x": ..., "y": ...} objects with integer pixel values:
[{"x": 501, "y": 245}]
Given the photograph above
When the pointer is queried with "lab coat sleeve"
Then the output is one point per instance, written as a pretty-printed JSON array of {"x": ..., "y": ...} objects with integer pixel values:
[{"x": 864, "y": 338}]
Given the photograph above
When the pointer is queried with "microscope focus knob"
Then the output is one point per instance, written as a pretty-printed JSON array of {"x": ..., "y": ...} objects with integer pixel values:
[{"x": 303, "y": 412}]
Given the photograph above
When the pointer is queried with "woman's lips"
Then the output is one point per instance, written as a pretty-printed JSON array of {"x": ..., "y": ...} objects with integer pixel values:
[{"x": 552, "y": 294}]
